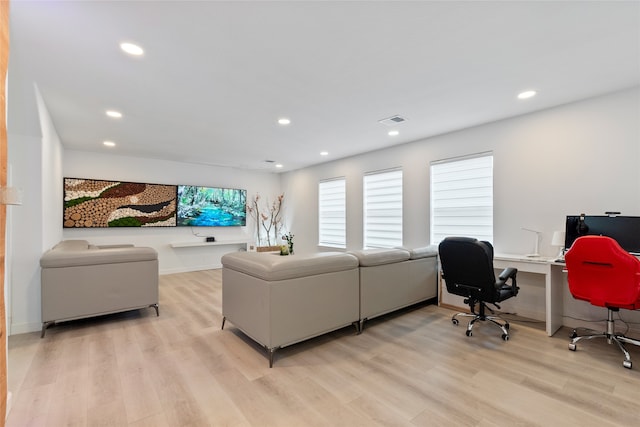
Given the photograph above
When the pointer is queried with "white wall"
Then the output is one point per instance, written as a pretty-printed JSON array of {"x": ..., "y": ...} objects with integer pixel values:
[
  {"x": 580, "y": 157},
  {"x": 36, "y": 167},
  {"x": 51, "y": 174},
  {"x": 25, "y": 230}
]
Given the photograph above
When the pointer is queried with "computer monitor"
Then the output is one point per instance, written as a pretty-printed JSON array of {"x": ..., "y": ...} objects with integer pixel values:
[{"x": 624, "y": 229}]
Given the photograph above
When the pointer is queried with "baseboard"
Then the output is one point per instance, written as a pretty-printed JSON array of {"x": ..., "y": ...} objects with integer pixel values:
[
  {"x": 176, "y": 270},
  {"x": 25, "y": 328},
  {"x": 601, "y": 325}
]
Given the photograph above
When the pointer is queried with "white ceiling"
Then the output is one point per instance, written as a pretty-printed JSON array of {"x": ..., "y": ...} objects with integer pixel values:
[{"x": 216, "y": 76}]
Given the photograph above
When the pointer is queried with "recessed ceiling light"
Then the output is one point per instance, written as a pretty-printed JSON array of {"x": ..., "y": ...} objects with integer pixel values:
[
  {"x": 131, "y": 49},
  {"x": 393, "y": 133},
  {"x": 278, "y": 165},
  {"x": 114, "y": 114},
  {"x": 284, "y": 121},
  {"x": 324, "y": 153},
  {"x": 109, "y": 144},
  {"x": 527, "y": 94}
]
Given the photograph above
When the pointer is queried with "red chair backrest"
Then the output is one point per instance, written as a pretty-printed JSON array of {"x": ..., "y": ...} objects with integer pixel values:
[{"x": 601, "y": 272}]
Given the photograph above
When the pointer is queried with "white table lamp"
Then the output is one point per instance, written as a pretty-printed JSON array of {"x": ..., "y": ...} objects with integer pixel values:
[
  {"x": 558, "y": 240},
  {"x": 535, "y": 249}
]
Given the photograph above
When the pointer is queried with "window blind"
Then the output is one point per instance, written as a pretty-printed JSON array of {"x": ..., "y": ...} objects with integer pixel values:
[
  {"x": 332, "y": 213},
  {"x": 383, "y": 209},
  {"x": 462, "y": 198}
]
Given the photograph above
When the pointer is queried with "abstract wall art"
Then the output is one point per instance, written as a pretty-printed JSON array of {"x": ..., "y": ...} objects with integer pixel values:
[{"x": 91, "y": 203}]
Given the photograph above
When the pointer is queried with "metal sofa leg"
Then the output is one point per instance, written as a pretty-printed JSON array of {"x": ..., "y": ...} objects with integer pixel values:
[
  {"x": 45, "y": 325},
  {"x": 357, "y": 326},
  {"x": 157, "y": 309},
  {"x": 272, "y": 352},
  {"x": 360, "y": 326}
]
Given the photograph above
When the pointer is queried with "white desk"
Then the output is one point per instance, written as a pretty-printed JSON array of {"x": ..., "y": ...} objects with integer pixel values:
[{"x": 553, "y": 282}]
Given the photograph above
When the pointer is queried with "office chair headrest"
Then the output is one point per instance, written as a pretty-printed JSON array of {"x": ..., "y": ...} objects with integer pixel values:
[
  {"x": 460, "y": 239},
  {"x": 599, "y": 249},
  {"x": 601, "y": 272},
  {"x": 486, "y": 246}
]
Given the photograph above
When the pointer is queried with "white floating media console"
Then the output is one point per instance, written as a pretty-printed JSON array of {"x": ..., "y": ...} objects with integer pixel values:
[{"x": 216, "y": 243}]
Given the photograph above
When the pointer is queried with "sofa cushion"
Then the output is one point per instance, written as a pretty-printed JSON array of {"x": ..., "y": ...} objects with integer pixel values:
[
  {"x": 73, "y": 245},
  {"x": 72, "y": 255},
  {"x": 424, "y": 252},
  {"x": 271, "y": 267},
  {"x": 371, "y": 257}
]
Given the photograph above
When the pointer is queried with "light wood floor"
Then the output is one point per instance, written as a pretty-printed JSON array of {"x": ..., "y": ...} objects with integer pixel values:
[{"x": 412, "y": 368}]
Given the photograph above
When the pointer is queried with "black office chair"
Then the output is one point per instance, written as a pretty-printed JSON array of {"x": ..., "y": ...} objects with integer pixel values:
[{"x": 467, "y": 268}]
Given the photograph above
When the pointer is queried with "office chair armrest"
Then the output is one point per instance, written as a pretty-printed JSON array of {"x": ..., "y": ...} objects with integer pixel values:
[{"x": 508, "y": 273}]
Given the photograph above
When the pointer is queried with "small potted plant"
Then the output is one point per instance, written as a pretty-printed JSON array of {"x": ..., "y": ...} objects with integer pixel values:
[{"x": 289, "y": 239}]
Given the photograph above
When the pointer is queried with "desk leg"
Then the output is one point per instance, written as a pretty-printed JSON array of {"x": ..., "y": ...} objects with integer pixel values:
[{"x": 554, "y": 294}]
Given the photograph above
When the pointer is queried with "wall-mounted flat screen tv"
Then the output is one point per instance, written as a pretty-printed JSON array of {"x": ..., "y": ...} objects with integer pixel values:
[{"x": 211, "y": 207}]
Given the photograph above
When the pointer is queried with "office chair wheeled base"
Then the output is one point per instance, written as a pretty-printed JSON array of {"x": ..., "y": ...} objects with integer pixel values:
[
  {"x": 504, "y": 327},
  {"x": 611, "y": 337}
]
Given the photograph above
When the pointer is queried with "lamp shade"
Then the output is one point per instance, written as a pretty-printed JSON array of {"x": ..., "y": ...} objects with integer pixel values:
[{"x": 558, "y": 238}]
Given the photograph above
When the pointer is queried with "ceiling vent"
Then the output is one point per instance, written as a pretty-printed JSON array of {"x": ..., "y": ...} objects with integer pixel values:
[{"x": 393, "y": 120}]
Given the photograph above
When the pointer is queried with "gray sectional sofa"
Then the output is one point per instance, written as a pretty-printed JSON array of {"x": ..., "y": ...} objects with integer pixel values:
[
  {"x": 80, "y": 280},
  {"x": 391, "y": 279},
  {"x": 281, "y": 300}
]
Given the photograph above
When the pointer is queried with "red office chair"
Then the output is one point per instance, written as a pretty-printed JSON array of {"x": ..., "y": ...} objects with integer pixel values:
[{"x": 605, "y": 275}]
